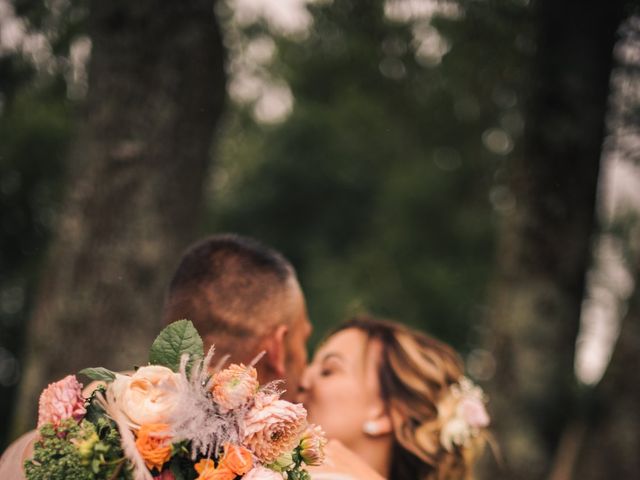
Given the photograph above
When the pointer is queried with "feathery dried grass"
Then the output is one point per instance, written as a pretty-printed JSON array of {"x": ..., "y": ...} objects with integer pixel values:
[{"x": 127, "y": 439}]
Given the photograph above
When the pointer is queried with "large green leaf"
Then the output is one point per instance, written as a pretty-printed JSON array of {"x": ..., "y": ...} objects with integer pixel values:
[
  {"x": 175, "y": 340},
  {"x": 99, "y": 373}
]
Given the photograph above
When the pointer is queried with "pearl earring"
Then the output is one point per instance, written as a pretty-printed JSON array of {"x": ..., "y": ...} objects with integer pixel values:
[{"x": 370, "y": 428}]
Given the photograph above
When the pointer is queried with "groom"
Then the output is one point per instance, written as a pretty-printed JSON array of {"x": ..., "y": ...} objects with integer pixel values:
[{"x": 243, "y": 297}]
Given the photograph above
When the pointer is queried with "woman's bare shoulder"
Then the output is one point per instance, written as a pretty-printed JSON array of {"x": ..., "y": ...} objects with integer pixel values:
[{"x": 14, "y": 456}]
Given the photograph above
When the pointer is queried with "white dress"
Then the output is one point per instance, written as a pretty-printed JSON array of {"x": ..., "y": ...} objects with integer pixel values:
[{"x": 331, "y": 476}]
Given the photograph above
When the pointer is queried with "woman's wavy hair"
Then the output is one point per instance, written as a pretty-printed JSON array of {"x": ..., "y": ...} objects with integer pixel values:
[{"x": 416, "y": 373}]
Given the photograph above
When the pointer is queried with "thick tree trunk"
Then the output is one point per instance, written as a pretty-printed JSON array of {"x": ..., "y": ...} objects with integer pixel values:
[
  {"x": 157, "y": 89},
  {"x": 612, "y": 439},
  {"x": 545, "y": 243}
]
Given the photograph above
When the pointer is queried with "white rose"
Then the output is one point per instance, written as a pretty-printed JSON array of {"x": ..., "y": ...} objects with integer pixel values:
[{"x": 148, "y": 396}]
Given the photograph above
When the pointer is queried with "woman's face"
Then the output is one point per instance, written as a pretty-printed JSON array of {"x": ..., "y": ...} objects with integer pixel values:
[{"x": 340, "y": 388}]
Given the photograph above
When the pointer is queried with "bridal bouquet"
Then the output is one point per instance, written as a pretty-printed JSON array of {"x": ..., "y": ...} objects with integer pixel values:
[{"x": 174, "y": 419}]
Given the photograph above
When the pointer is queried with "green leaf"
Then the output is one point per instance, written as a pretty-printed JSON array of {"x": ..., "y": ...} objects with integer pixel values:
[
  {"x": 175, "y": 340},
  {"x": 99, "y": 373}
]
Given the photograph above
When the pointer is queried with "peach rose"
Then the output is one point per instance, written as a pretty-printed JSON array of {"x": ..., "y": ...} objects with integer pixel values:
[
  {"x": 273, "y": 427},
  {"x": 148, "y": 396},
  {"x": 153, "y": 443}
]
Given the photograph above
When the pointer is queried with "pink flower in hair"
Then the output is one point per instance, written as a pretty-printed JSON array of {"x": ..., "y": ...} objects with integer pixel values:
[
  {"x": 61, "y": 400},
  {"x": 473, "y": 411},
  {"x": 469, "y": 417}
]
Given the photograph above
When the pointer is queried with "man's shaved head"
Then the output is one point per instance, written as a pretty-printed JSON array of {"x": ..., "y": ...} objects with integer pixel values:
[{"x": 234, "y": 289}]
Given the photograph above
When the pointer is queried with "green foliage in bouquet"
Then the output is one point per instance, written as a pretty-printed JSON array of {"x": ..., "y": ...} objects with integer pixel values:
[{"x": 72, "y": 451}]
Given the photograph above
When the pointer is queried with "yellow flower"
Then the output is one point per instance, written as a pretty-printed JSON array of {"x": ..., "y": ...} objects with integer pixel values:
[{"x": 85, "y": 446}]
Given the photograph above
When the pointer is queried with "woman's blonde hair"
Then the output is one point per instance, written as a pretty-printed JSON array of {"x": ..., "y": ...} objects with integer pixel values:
[{"x": 416, "y": 374}]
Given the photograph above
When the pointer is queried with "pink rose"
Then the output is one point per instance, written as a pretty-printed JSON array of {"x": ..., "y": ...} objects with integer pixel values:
[
  {"x": 261, "y": 473},
  {"x": 473, "y": 411},
  {"x": 273, "y": 427},
  {"x": 61, "y": 400}
]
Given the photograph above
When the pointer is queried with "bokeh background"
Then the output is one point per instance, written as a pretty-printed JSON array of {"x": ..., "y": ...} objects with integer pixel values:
[{"x": 468, "y": 167}]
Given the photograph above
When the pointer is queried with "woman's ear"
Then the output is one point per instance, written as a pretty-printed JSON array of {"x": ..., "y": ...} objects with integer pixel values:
[{"x": 276, "y": 351}]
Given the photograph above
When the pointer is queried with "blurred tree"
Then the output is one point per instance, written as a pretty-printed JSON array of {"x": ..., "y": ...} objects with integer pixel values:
[
  {"x": 606, "y": 440},
  {"x": 157, "y": 87},
  {"x": 35, "y": 128},
  {"x": 545, "y": 242},
  {"x": 31, "y": 184},
  {"x": 611, "y": 440},
  {"x": 377, "y": 185}
]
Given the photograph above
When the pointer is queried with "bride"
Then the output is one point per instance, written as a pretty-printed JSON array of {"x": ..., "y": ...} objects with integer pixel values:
[
  {"x": 394, "y": 402},
  {"x": 397, "y": 404}
]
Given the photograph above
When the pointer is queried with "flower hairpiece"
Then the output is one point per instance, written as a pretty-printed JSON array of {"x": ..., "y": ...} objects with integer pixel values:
[{"x": 469, "y": 415}]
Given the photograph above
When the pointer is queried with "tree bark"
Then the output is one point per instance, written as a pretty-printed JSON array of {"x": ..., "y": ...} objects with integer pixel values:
[
  {"x": 157, "y": 89},
  {"x": 612, "y": 442},
  {"x": 544, "y": 249}
]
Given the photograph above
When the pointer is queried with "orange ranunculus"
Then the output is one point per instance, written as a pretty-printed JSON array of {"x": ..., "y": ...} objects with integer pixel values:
[
  {"x": 153, "y": 444},
  {"x": 237, "y": 459},
  {"x": 207, "y": 471},
  {"x": 204, "y": 464}
]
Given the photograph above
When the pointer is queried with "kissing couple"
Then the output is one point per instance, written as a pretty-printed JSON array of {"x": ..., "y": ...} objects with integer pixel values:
[{"x": 394, "y": 402}]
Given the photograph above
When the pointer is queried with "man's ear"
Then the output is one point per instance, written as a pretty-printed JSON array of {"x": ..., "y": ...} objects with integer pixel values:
[{"x": 276, "y": 351}]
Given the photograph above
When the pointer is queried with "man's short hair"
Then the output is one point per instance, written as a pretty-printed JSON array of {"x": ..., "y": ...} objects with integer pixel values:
[{"x": 231, "y": 287}]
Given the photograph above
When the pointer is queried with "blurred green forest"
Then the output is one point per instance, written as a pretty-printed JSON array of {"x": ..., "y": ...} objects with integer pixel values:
[
  {"x": 378, "y": 185},
  {"x": 381, "y": 146}
]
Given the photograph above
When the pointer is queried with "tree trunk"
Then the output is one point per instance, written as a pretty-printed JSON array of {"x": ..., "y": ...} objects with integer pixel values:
[
  {"x": 157, "y": 89},
  {"x": 545, "y": 243},
  {"x": 612, "y": 441}
]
